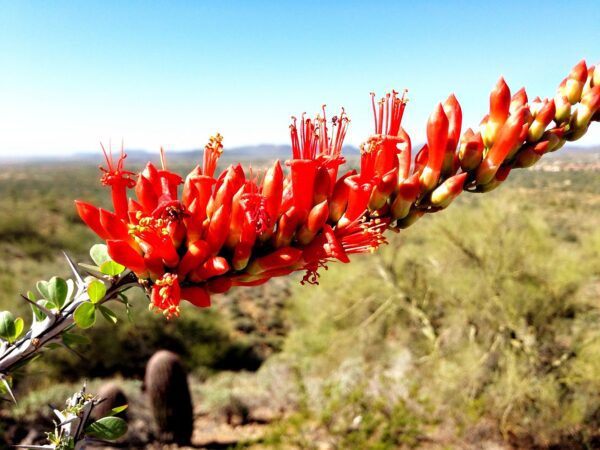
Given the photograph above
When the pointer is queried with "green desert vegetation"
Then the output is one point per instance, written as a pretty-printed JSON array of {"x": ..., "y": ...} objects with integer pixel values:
[{"x": 479, "y": 323}]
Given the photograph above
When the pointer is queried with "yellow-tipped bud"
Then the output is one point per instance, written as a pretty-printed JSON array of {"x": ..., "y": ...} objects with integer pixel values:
[
  {"x": 411, "y": 218},
  {"x": 563, "y": 109}
]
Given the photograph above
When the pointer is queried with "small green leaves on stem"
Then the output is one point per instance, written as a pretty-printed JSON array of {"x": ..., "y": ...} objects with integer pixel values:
[
  {"x": 108, "y": 428},
  {"x": 108, "y": 314},
  {"x": 118, "y": 409},
  {"x": 99, "y": 254},
  {"x": 85, "y": 315},
  {"x": 112, "y": 268},
  {"x": 56, "y": 291},
  {"x": 10, "y": 327},
  {"x": 105, "y": 265},
  {"x": 96, "y": 291}
]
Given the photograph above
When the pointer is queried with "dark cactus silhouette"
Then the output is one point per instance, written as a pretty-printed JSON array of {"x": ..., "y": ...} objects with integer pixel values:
[
  {"x": 113, "y": 397},
  {"x": 167, "y": 389}
]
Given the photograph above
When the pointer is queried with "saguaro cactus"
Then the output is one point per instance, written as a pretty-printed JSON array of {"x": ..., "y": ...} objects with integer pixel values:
[
  {"x": 167, "y": 389},
  {"x": 111, "y": 396}
]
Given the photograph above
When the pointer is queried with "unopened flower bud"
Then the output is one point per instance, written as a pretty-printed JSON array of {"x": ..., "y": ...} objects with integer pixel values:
[
  {"x": 543, "y": 117},
  {"x": 572, "y": 86},
  {"x": 530, "y": 154},
  {"x": 410, "y": 219},
  {"x": 437, "y": 141},
  {"x": 445, "y": 193},
  {"x": 499, "y": 108},
  {"x": 470, "y": 153},
  {"x": 408, "y": 191},
  {"x": 563, "y": 109}
]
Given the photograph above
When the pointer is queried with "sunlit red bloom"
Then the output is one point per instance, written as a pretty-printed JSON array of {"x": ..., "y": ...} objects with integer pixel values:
[{"x": 241, "y": 227}]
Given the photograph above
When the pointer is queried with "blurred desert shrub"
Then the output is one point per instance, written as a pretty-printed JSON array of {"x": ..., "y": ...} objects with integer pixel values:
[{"x": 487, "y": 311}]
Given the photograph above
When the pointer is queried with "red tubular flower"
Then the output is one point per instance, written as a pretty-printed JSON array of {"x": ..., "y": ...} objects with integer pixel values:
[
  {"x": 123, "y": 253},
  {"x": 279, "y": 259},
  {"x": 359, "y": 193},
  {"x": 115, "y": 227},
  {"x": 437, "y": 141},
  {"x": 303, "y": 166},
  {"x": 322, "y": 185},
  {"x": 197, "y": 296},
  {"x": 119, "y": 180},
  {"x": 387, "y": 150},
  {"x": 196, "y": 254},
  {"x": 339, "y": 197},
  {"x": 218, "y": 228},
  {"x": 212, "y": 267},
  {"x": 91, "y": 217},
  {"x": 330, "y": 146},
  {"x": 144, "y": 190}
]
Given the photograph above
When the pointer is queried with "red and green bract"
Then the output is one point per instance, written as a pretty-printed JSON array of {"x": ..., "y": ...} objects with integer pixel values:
[{"x": 242, "y": 228}]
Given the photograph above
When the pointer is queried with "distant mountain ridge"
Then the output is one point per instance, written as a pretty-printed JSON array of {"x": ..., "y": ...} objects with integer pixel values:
[{"x": 243, "y": 153}]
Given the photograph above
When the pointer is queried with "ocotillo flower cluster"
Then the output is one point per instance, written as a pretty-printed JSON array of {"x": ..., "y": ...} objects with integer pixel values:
[{"x": 241, "y": 229}]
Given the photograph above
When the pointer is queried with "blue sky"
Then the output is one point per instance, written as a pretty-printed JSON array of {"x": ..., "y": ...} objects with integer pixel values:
[{"x": 172, "y": 73}]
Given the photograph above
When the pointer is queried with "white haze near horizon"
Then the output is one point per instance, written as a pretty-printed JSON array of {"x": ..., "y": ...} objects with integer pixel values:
[{"x": 8, "y": 151}]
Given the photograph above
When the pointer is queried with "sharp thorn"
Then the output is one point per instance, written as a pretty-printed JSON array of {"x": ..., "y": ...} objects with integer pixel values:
[
  {"x": 76, "y": 353},
  {"x": 68, "y": 421},
  {"x": 74, "y": 269},
  {"x": 9, "y": 390},
  {"x": 34, "y": 447},
  {"x": 43, "y": 309}
]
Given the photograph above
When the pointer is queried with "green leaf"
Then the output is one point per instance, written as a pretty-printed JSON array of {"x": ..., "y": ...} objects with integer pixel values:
[
  {"x": 108, "y": 314},
  {"x": 116, "y": 410},
  {"x": 70, "y": 339},
  {"x": 96, "y": 291},
  {"x": 37, "y": 314},
  {"x": 57, "y": 291},
  {"x": 90, "y": 268},
  {"x": 108, "y": 428},
  {"x": 42, "y": 287},
  {"x": 111, "y": 268},
  {"x": 7, "y": 326},
  {"x": 99, "y": 254},
  {"x": 46, "y": 304},
  {"x": 85, "y": 315},
  {"x": 19, "y": 325}
]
